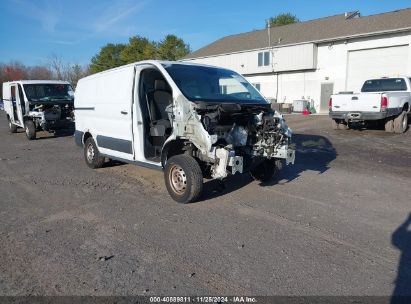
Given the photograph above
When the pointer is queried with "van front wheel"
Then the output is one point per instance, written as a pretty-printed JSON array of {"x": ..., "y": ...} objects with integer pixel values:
[
  {"x": 91, "y": 154},
  {"x": 30, "y": 129},
  {"x": 183, "y": 178}
]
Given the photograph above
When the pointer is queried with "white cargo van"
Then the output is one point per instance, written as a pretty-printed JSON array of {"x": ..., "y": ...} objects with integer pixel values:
[
  {"x": 38, "y": 105},
  {"x": 192, "y": 121}
]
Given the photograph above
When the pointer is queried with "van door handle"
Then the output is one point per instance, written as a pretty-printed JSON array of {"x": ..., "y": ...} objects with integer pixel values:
[
  {"x": 124, "y": 112},
  {"x": 139, "y": 122}
]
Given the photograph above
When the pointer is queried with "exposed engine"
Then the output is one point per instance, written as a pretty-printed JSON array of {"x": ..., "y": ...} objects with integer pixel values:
[
  {"x": 244, "y": 133},
  {"x": 48, "y": 115},
  {"x": 252, "y": 128},
  {"x": 52, "y": 113}
]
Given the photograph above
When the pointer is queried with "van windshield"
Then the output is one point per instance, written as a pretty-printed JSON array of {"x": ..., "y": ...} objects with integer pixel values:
[
  {"x": 384, "y": 85},
  {"x": 201, "y": 83},
  {"x": 48, "y": 92}
]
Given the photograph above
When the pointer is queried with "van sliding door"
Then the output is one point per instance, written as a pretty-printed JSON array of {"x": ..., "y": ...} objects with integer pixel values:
[{"x": 113, "y": 113}]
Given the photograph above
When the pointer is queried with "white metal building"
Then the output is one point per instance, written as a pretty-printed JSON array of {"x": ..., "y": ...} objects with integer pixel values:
[{"x": 311, "y": 60}]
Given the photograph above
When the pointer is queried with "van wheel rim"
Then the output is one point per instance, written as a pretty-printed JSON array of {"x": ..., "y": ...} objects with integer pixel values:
[
  {"x": 90, "y": 153},
  {"x": 27, "y": 131},
  {"x": 405, "y": 122},
  {"x": 178, "y": 179}
]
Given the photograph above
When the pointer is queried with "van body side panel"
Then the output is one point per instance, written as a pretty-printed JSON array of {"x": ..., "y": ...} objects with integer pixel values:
[
  {"x": 116, "y": 144},
  {"x": 7, "y": 99},
  {"x": 103, "y": 108},
  {"x": 12, "y": 104}
]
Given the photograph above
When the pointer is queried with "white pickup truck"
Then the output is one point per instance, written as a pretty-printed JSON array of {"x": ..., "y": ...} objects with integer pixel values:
[{"x": 386, "y": 100}]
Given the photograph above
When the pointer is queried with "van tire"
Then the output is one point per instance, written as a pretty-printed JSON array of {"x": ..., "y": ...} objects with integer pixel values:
[
  {"x": 266, "y": 171},
  {"x": 12, "y": 126},
  {"x": 401, "y": 123},
  {"x": 30, "y": 129},
  {"x": 389, "y": 125},
  {"x": 183, "y": 178},
  {"x": 91, "y": 154},
  {"x": 335, "y": 124}
]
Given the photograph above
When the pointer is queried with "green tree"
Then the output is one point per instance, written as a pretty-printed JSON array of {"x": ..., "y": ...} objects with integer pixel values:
[
  {"x": 172, "y": 48},
  {"x": 138, "y": 48},
  {"x": 282, "y": 19},
  {"x": 108, "y": 57}
]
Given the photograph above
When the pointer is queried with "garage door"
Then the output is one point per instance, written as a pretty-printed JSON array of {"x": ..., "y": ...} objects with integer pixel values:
[{"x": 375, "y": 63}]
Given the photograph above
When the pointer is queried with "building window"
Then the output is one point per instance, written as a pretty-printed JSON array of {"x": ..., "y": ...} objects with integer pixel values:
[
  {"x": 264, "y": 58},
  {"x": 257, "y": 86}
]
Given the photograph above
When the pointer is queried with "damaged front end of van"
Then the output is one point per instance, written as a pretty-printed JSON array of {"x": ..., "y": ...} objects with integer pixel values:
[
  {"x": 231, "y": 133},
  {"x": 233, "y": 138}
]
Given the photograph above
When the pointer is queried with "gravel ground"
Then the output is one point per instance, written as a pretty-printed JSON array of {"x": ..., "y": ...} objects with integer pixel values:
[{"x": 335, "y": 223}]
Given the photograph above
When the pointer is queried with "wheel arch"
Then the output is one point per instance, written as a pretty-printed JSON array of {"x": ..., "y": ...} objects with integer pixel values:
[
  {"x": 172, "y": 148},
  {"x": 406, "y": 107},
  {"x": 87, "y": 134}
]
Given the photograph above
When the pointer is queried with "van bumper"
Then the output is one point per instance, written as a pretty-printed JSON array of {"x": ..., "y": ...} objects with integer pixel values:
[{"x": 358, "y": 116}]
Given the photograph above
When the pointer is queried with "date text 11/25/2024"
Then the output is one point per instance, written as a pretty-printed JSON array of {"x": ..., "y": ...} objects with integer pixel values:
[{"x": 203, "y": 299}]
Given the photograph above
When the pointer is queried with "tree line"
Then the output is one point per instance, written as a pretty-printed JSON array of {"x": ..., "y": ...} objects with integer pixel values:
[
  {"x": 138, "y": 48},
  {"x": 55, "y": 69}
]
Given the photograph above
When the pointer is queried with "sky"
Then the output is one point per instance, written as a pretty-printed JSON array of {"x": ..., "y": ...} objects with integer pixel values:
[{"x": 33, "y": 30}]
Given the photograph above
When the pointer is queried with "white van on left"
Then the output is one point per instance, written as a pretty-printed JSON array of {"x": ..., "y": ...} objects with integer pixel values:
[{"x": 37, "y": 105}]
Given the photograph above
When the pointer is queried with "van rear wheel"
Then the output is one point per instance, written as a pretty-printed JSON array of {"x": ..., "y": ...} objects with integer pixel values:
[
  {"x": 91, "y": 154},
  {"x": 183, "y": 178},
  {"x": 12, "y": 126},
  {"x": 30, "y": 129}
]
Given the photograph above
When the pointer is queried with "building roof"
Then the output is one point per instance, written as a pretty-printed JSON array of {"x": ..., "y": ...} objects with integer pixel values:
[{"x": 323, "y": 29}]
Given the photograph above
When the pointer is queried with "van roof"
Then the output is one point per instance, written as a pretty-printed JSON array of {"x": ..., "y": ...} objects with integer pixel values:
[
  {"x": 38, "y": 81},
  {"x": 154, "y": 62}
]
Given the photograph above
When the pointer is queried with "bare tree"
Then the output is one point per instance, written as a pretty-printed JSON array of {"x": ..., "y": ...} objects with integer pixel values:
[
  {"x": 40, "y": 72},
  {"x": 65, "y": 71},
  {"x": 59, "y": 68}
]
